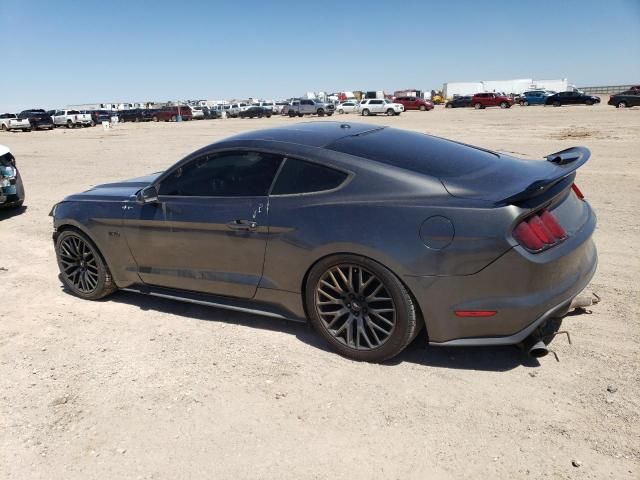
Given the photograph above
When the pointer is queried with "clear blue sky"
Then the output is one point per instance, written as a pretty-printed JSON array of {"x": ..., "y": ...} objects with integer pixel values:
[{"x": 60, "y": 52}]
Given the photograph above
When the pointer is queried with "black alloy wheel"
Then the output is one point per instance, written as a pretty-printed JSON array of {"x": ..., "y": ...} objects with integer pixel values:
[
  {"x": 82, "y": 268},
  {"x": 360, "y": 307}
]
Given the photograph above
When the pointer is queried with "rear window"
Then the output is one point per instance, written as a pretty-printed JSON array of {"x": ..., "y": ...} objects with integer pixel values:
[
  {"x": 298, "y": 176},
  {"x": 416, "y": 152}
]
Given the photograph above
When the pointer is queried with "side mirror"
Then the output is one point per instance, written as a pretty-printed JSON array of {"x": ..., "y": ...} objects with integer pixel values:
[{"x": 147, "y": 195}]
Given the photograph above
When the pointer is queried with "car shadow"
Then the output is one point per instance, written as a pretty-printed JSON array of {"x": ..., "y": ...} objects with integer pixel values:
[
  {"x": 495, "y": 359},
  {"x": 8, "y": 212}
]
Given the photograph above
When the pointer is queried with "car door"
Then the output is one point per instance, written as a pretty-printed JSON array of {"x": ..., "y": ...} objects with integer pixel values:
[
  {"x": 377, "y": 106},
  {"x": 207, "y": 230}
]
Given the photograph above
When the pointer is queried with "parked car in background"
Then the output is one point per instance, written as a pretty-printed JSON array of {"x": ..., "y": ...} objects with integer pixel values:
[
  {"x": 171, "y": 114},
  {"x": 135, "y": 115},
  {"x": 630, "y": 98},
  {"x": 414, "y": 103},
  {"x": 369, "y": 233},
  {"x": 197, "y": 112},
  {"x": 38, "y": 118},
  {"x": 307, "y": 106},
  {"x": 533, "y": 97},
  {"x": 99, "y": 116},
  {"x": 236, "y": 108},
  {"x": 373, "y": 106},
  {"x": 10, "y": 121},
  {"x": 278, "y": 106},
  {"x": 11, "y": 187},
  {"x": 458, "y": 102},
  {"x": 71, "y": 119},
  {"x": 267, "y": 105},
  {"x": 571, "y": 98},
  {"x": 349, "y": 106},
  {"x": 211, "y": 113},
  {"x": 255, "y": 111},
  {"x": 484, "y": 100}
]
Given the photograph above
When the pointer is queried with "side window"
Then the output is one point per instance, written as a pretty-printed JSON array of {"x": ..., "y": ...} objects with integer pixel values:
[
  {"x": 298, "y": 176},
  {"x": 376, "y": 102},
  {"x": 234, "y": 174}
]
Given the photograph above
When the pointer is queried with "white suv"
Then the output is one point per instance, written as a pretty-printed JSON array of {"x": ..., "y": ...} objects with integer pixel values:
[
  {"x": 373, "y": 106},
  {"x": 10, "y": 121}
]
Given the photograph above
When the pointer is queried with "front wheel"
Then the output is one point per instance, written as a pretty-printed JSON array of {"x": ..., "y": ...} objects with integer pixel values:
[
  {"x": 622, "y": 105},
  {"x": 390, "y": 112},
  {"x": 504, "y": 105},
  {"x": 477, "y": 106},
  {"x": 360, "y": 308},
  {"x": 155, "y": 119},
  {"x": 173, "y": 118},
  {"x": 422, "y": 108},
  {"x": 589, "y": 102},
  {"x": 341, "y": 112},
  {"x": 320, "y": 112},
  {"x": 556, "y": 104},
  {"x": 69, "y": 124},
  {"x": 82, "y": 269},
  {"x": 365, "y": 112},
  {"x": 448, "y": 105},
  {"x": 292, "y": 114}
]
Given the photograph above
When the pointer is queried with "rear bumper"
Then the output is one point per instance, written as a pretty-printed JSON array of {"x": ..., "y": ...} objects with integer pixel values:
[{"x": 525, "y": 289}]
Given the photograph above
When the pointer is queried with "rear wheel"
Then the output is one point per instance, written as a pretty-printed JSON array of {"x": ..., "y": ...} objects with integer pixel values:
[
  {"x": 589, "y": 102},
  {"x": 448, "y": 105},
  {"x": 620, "y": 105},
  {"x": 556, "y": 103},
  {"x": 173, "y": 118},
  {"x": 3, "y": 127},
  {"x": 292, "y": 113},
  {"x": 390, "y": 112},
  {"x": 154, "y": 118},
  {"x": 69, "y": 124},
  {"x": 82, "y": 268},
  {"x": 360, "y": 308},
  {"x": 477, "y": 106},
  {"x": 341, "y": 111}
]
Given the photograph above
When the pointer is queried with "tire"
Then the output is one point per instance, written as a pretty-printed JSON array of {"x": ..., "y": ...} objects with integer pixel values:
[
  {"x": 69, "y": 124},
  {"x": 341, "y": 112},
  {"x": 448, "y": 105},
  {"x": 477, "y": 106},
  {"x": 292, "y": 114},
  {"x": 504, "y": 105},
  {"x": 589, "y": 102},
  {"x": 320, "y": 112},
  {"x": 524, "y": 104},
  {"x": 154, "y": 119},
  {"x": 137, "y": 120},
  {"x": 301, "y": 115},
  {"x": 376, "y": 337},
  {"x": 329, "y": 114},
  {"x": 423, "y": 108},
  {"x": 82, "y": 268},
  {"x": 390, "y": 112},
  {"x": 621, "y": 105},
  {"x": 268, "y": 115},
  {"x": 365, "y": 112},
  {"x": 556, "y": 103},
  {"x": 174, "y": 118},
  {"x": 3, "y": 127},
  {"x": 93, "y": 124},
  {"x": 27, "y": 129}
]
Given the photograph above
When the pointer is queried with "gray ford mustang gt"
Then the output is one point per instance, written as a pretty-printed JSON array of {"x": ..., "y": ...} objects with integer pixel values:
[{"x": 371, "y": 233}]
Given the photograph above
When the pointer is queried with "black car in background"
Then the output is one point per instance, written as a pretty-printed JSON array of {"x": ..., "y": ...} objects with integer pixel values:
[
  {"x": 459, "y": 102},
  {"x": 136, "y": 115},
  {"x": 211, "y": 113},
  {"x": 39, "y": 119},
  {"x": 630, "y": 98},
  {"x": 11, "y": 187},
  {"x": 255, "y": 111},
  {"x": 571, "y": 98}
]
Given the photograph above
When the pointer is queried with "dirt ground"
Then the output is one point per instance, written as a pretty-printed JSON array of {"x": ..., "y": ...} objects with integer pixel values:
[{"x": 136, "y": 387}]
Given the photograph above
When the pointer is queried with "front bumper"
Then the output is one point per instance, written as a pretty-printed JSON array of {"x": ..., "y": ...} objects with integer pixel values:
[{"x": 525, "y": 289}]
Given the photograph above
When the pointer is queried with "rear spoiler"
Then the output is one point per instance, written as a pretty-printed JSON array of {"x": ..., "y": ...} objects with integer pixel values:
[{"x": 567, "y": 162}]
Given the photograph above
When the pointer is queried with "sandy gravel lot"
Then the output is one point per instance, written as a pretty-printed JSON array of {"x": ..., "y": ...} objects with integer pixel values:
[{"x": 135, "y": 387}]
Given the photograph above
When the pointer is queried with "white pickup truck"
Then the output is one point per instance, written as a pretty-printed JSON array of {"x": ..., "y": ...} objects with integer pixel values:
[
  {"x": 71, "y": 118},
  {"x": 10, "y": 121}
]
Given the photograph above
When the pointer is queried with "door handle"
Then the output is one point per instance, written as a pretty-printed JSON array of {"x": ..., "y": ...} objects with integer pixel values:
[{"x": 242, "y": 225}]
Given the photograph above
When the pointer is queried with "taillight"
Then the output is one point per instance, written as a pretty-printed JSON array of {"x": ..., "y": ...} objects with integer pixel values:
[
  {"x": 539, "y": 231},
  {"x": 577, "y": 191}
]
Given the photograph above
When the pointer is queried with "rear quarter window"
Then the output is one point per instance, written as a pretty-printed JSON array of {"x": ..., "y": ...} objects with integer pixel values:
[
  {"x": 299, "y": 176},
  {"x": 419, "y": 153}
]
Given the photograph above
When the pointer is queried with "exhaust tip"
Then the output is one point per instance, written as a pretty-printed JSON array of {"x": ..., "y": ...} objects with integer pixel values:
[{"x": 538, "y": 350}]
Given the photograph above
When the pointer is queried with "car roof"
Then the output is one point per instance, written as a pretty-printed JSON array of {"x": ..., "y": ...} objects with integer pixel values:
[{"x": 311, "y": 134}]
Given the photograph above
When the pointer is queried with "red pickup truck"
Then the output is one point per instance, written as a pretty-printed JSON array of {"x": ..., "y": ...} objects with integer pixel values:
[
  {"x": 484, "y": 100},
  {"x": 414, "y": 103},
  {"x": 170, "y": 114}
]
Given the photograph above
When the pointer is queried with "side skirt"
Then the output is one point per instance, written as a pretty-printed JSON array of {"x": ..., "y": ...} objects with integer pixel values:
[{"x": 252, "y": 307}]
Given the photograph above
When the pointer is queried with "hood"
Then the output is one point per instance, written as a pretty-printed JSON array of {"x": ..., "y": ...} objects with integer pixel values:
[
  {"x": 4, "y": 150},
  {"x": 115, "y": 192}
]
